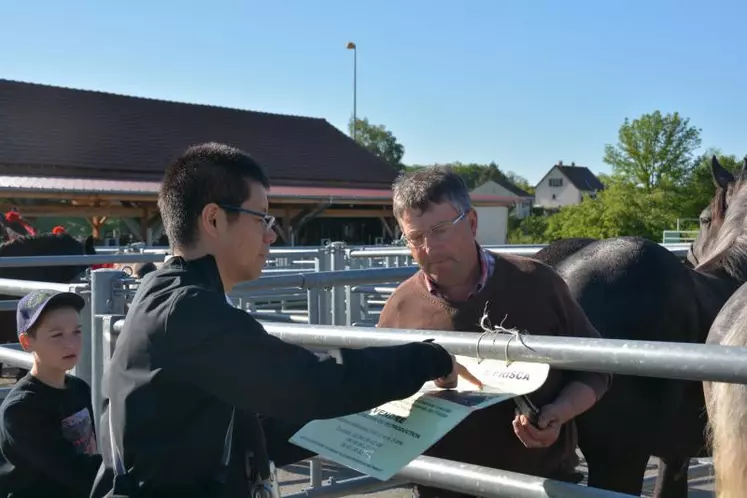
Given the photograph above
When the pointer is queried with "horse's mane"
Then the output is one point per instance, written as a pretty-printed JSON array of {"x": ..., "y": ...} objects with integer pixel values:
[{"x": 729, "y": 249}]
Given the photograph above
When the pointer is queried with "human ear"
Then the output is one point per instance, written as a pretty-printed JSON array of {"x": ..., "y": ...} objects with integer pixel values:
[
  {"x": 209, "y": 219},
  {"x": 472, "y": 217},
  {"x": 25, "y": 342}
]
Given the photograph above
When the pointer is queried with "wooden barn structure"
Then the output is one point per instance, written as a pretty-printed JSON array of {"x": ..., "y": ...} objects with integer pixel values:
[{"x": 94, "y": 155}]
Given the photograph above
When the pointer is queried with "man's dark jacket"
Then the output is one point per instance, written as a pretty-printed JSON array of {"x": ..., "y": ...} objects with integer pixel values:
[{"x": 186, "y": 358}]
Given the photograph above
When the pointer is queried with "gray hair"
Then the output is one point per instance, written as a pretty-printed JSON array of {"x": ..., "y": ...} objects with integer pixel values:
[{"x": 430, "y": 185}]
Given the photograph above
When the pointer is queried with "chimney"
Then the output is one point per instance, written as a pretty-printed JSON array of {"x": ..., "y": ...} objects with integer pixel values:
[
  {"x": 560, "y": 163},
  {"x": 573, "y": 163}
]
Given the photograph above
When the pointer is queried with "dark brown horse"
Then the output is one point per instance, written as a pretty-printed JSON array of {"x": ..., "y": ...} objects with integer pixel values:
[
  {"x": 633, "y": 288},
  {"x": 46, "y": 244}
]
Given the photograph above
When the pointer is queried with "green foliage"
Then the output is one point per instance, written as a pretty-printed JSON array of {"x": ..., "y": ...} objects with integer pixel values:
[
  {"x": 654, "y": 151},
  {"x": 378, "y": 140},
  {"x": 475, "y": 174},
  {"x": 656, "y": 179},
  {"x": 621, "y": 209},
  {"x": 530, "y": 230}
]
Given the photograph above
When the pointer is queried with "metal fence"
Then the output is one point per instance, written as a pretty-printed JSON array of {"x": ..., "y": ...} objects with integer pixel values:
[{"x": 336, "y": 285}]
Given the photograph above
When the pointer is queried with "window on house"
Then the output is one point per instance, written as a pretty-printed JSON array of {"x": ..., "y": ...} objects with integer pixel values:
[{"x": 556, "y": 182}]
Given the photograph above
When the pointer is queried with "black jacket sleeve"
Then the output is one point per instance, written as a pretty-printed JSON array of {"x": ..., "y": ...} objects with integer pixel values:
[
  {"x": 281, "y": 452},
  {"x": 44, "y": 448},
  {"x": 240, "y": 363}
]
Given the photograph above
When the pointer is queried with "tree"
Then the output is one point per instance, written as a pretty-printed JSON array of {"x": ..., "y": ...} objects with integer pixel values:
[
  {"x": 473, "y": 174},
  {"x": 620, "y": 209},
  {"x": 654, "y": 151},
  {"x": 378, "y": 140},
  {"x": 520, "y": 182}
]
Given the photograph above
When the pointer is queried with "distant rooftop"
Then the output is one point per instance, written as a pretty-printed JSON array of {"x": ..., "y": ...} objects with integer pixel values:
[
  {"x": 580, "y": 176},
  {"x": 50, "y": 131}
]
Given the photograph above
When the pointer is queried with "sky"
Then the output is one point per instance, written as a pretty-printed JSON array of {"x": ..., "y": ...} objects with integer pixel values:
[{"x": 522, "y": 83}]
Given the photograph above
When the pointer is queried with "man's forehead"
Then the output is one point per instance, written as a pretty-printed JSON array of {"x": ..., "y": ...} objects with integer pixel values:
[{"x": 433, "y": 214}]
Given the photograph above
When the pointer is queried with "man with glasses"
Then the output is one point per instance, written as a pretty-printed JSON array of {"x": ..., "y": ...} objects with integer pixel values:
[
  {"x": 200, "y": 398},
  {"x": 458, "y": 282}
]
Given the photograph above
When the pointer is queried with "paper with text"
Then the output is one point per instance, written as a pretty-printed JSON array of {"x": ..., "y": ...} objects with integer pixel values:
[{"x": 381, "y": 441}]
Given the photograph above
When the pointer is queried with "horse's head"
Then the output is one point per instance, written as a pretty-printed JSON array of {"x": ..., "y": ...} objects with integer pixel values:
[{"x": 722, "y": 221}]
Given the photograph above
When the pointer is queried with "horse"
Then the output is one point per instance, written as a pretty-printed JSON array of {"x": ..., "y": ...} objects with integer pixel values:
[
  {"x": 726, "y": 403},
  {"x": 633, "y": 288},
  {"x": 560, "y": 249},
  {"x": 45, "y": 244}
]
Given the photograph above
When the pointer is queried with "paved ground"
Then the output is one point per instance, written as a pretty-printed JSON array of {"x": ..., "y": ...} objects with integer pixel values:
[{"x": 295, "y": 478}]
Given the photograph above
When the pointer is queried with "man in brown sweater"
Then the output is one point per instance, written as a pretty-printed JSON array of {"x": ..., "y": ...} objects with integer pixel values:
[{"x": 457, "y": 282}]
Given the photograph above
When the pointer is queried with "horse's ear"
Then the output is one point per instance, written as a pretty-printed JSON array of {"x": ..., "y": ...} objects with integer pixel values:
[
  {"x": 88, "y": 245},
  {"x": 721, "y": 176}
]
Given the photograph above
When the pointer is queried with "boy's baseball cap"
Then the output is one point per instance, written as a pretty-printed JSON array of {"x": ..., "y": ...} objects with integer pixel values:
[{"x": 31, "y": 306}]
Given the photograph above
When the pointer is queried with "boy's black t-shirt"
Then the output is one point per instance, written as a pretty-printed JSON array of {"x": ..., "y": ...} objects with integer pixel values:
[{"x": 47, "y": 440}]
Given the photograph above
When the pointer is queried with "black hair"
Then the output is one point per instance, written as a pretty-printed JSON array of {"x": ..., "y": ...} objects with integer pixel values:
[{"x": 205, "y": 173}]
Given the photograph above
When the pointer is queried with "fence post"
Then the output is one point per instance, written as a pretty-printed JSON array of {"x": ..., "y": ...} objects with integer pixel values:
[
  {"x": 316, "y": 299},
  {"x": 354, "y": 301},
  {"x": 107, "y": 298},
  {"x": 83, "y": 369},
  {"x": 337, "y": 263},
  {"x": 109, "y": 336}
]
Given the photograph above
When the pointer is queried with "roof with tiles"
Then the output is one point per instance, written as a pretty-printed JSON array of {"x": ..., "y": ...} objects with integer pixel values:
[
  {"x": 67, "y": 133},
  {"x": 581, "y": 177}
]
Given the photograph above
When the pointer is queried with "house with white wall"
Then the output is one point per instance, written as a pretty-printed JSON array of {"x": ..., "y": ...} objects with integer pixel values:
[
  {"x": 504, "y": 188},
  {"x": 565, "y": 185}
]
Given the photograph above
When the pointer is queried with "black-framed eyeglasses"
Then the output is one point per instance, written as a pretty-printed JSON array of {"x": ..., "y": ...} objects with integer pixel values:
[{"x": 267, "y": 219}]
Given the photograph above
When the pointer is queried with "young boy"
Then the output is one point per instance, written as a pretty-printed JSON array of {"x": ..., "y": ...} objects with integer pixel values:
[{"x": 47, "y": 440}]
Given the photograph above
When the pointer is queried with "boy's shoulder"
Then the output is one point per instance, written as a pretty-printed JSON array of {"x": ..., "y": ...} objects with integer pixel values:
[
  {"x": 25, "y": 392},
  {"x": 28, "y": 390}
]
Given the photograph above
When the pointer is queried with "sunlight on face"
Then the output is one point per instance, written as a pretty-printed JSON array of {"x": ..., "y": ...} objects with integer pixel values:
[
  {"x": 57, "y": 340},
  {"x": 248, "y": 240},
  {"x": 439, "y": 238}
]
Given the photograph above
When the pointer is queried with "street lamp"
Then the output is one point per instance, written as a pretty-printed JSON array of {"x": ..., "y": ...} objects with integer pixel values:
[{"x": 351, "y": 46}]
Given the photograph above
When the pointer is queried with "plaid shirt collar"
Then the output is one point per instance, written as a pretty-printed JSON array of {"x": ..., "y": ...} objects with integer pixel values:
[{"x": 487, "y": 265}]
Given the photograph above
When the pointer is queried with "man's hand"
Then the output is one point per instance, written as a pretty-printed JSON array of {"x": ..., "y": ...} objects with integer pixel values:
[
  {"x": 550, "y": 420},
  {"x": 458, "y": 370}
]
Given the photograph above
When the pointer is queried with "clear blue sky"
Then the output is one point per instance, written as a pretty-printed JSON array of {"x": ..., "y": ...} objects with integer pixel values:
[{"x": 523, "y": 83}]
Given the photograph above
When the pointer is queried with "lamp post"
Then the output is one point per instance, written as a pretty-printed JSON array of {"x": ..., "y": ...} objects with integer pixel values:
[{"x": 351, "y": 46}]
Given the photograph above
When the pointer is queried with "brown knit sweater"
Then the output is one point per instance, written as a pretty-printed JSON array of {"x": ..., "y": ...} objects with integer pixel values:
[{"x": 523, "y": 294}]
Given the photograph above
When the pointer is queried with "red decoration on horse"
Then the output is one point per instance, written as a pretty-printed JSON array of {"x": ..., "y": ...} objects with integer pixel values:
[
  {"x": 59, "y": 230},
  {"x": 15, "y": 226}
]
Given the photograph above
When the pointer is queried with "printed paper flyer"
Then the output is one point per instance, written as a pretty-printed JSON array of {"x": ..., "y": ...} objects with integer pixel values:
[{"x": 382, "y": 441}]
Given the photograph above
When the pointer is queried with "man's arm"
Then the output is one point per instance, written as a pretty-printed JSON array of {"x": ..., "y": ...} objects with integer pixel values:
[
  {"x": 240, "y": 363},
  {"x": 281, "y": 452},
  {"x": 28, "y": 434}
]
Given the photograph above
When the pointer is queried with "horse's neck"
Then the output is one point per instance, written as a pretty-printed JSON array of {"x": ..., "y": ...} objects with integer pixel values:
[{"x": 712, "y": 289}]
